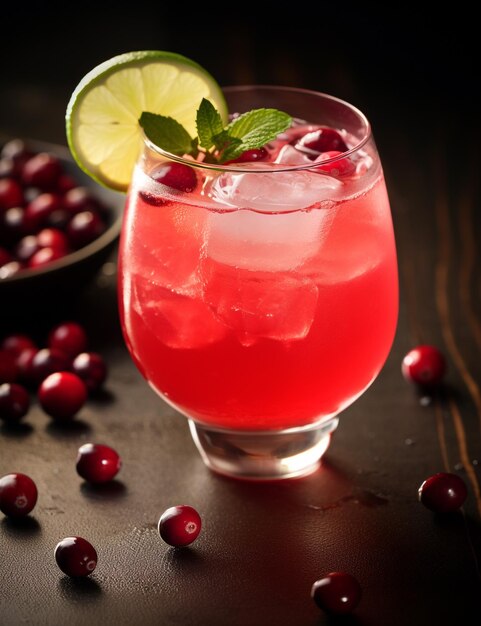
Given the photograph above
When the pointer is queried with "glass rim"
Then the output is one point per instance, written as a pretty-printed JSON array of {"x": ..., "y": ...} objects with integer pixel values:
[{"x": 246, "y": 167}]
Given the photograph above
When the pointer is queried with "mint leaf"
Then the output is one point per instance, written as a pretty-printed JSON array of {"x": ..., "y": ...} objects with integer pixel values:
[
  {"x": 209, "y": 123},
  {"x": 255, "y": 129},
  {"x": 223, "y": 141},
  {"x": 166, "y": 133}
]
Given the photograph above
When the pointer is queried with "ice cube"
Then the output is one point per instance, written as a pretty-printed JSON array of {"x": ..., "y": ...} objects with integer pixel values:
[
  {"x": 283, "y": 218},
  {"x": 177, "y": 321},
  {"x": 274, "y": 191},
  {"x": 167, "y": 241},
  {"x": 257, "y": 305},
  {"x": 290, "y": 156}
]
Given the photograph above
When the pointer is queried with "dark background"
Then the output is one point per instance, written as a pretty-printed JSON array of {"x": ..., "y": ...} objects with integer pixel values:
[{"x": 405, "y": 65}]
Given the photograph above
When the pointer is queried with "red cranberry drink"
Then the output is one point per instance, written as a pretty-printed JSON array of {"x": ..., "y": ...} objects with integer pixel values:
[
  {"x": 261, "y": 296},
  {"x": 258, "y": 286}
]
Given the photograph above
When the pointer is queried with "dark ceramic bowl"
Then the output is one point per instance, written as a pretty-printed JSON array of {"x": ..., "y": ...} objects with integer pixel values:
[{"x": 42, "y": 288}]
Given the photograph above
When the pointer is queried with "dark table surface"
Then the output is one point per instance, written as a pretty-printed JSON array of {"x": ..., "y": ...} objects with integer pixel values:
[{"x": 263, "y": 545}]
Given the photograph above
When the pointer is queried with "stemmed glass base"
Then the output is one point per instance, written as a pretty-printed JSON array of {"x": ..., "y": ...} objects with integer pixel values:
[{"x": 263, "y": 455}]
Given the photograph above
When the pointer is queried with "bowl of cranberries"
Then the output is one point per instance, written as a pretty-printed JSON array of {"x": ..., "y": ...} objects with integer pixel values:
[{"x": 57, "y": 226}]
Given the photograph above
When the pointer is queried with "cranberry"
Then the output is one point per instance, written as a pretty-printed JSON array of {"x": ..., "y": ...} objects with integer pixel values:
[
  {"x": 41, "y": 208},
  {"x": 45, "y": 256},
  {"x": 153, "y": 200},
  {"x": 342, "y": 167},
  {"x": 176, "y": 175},
  {"x": 69, "y": 337},
  {"x": 323, "y": 140},
  {"x": 58, "y": 219},
  {"x": 62, "y": 394},
  {"x": 76, "y": 556},
  {"x": 10, "y": 269},
  {"x": 78, "y": 200},
  {"x": 337, "y": 593},
  {"x": 26, "y": 248},
  {"x": 42, "y": 170},
  {"x": 97, "y": 463},
  {"x": 91, "y": 368},
  {"x": 179, "y": 525},
  {"x": 24, "y": 363},
  {"x": 4, "y": 257},
  {"x": 15, "y": 223},
  {"x": 17, "y": 150},
  {"x": 8, "y": 367},
  {"x": 47, "y": 361},
  {"x": 14, "y": 402},
  {"x": 424, "y": 365},
  {"x": 443, "y": 492},
  {"x": 84, "y": 227},
  {"x": 11, "y": 193},
  {"x": 53, "y": 238},
  {"x": 8, "y": 168},
  {"x": 65, "y": 183},
  {"x": 16, "y": 344},
  {"x": 18, "y": 495},
  {"x": 256, "y": 154}
]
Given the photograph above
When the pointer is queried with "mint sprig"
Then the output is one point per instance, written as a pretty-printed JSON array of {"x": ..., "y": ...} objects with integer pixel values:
[{"x": 219, "y": 143}]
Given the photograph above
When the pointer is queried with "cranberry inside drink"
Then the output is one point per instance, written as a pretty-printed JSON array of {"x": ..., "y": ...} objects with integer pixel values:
[{"x": 262, "y": 296}]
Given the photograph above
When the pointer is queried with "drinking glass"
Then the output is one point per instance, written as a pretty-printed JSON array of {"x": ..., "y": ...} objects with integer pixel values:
[{"x": 260, "y": 299}]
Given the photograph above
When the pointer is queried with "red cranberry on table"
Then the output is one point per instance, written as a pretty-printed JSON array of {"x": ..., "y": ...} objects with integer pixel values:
[
  {"x": 97, "y": 463},
  {"x": 176, "y": 175},
  {"x": 91, "y": 368},
  {"x": 443, "y": 492},
  {"x": 24, "y": 362},
  {"x": 76, "y": 556},
  {"x": 424, "y": 365},
  {"x": 11, "y": 193},
  {"x": 69, "y": 337},
  {"x": 180, "y": 525},
  {"x": 323, "y": 140},
  {"x": 14, "y": 402},
  {"x": 337, "y": 593},
  {"x": 62, "y": 395},
  {"x": 47, "y": 361},
  {"x": 18, "y": 495}
]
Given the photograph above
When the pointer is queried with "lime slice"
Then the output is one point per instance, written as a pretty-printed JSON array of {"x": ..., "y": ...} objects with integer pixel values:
[{"x": 103, "y": 131}]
